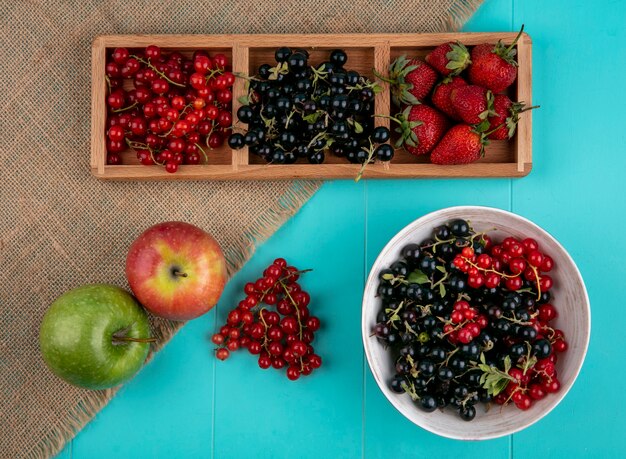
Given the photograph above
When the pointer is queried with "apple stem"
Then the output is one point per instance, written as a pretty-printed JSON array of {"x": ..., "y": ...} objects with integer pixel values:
[
  {"x": 134, "y": 340},
  {"x": 178, "y": 273}
]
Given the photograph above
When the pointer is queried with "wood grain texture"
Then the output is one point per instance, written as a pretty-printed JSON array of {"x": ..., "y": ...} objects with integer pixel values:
[
  {"x": 524, "y": 143},
  {"x": 241, "y": 55},
  {"x": 365, "y": 53}
]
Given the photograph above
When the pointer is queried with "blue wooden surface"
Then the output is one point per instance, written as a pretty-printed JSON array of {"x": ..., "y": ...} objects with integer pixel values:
[{"x": 185, "y": 404}]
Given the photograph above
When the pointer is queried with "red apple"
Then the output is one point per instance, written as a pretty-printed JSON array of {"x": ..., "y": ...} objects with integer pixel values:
[{"x": 176, "y": 270}]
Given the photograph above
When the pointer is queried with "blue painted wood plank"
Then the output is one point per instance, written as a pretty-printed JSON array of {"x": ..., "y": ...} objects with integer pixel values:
[
  {"x": 576, "y": 192},
  {"x": 260, "y": 413},
  {"x": 166, "y": 410},
  {"x": 390, "y": 207}
]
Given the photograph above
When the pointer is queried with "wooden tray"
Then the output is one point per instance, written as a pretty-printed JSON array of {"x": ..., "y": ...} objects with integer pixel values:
[{"x": 365, "y": 52}]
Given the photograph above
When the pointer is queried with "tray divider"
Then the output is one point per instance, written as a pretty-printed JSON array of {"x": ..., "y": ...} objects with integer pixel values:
[
  {"x": 241, "y": 59},
  {"x": 382, "y": 101},
  {"x": 523, "y": 146}
]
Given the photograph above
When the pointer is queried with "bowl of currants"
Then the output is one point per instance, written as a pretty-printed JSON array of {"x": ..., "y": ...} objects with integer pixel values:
[{"x": 475, "y": 322}]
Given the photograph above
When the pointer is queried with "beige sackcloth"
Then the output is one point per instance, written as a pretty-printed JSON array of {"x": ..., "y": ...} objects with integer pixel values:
[{"x": 60, "y": 227}]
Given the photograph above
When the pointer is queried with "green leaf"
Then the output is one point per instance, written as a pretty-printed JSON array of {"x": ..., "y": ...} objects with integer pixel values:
[
  {"x": 483, "y": 126},
  {"x": 243, "y": 100},
  {"x": 442, "y": 290},
  {"x": 418, "y": 277},
  {"x": 507, "y": 364},
  {"x": 377, "y": 88},
  {"x": 357, "y": 127},
  {"x": 441, "y": 269},
  {"x": 388, "y": 276},
  {"x": 499, "y": 386}
]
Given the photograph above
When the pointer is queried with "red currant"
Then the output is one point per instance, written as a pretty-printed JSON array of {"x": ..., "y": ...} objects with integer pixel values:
[
  {"x": 222, "y": 353},
  {"x": 293, "y": 372}
]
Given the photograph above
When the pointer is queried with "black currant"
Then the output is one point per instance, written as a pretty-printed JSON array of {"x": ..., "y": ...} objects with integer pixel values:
[
  {"x": 245, "y": 113},
  {"x": 236, "y": 141},
  {"x": 338, "y": 57},
  {"x": 282, "y": 54},
  {"x": 316, "y": 157},
  {"x": 459, "y": 227},
  {"x": 428, "y": 403},
  {"x": 384, "y": 152},
  {"x": 396, "y": 384},
  {"x": 467, "y": 412},
  {"x": 542, "y": 348}
]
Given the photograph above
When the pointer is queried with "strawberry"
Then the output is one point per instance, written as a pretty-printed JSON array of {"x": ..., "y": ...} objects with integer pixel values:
[
  {"x": 441, "y": 95},
  {"x": 420, "y": 128},
  {"x": 503, "y": 123},
  {"x": 473, "y": 104},
  {"x": 449, "y": 58},
  {"x": 462, "y": 144},
  {"x": 494, "y": 67},
  {"x": 411, "y": 80}
]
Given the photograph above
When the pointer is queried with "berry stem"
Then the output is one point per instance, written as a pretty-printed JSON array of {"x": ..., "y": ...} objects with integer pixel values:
[
  {"x": 519, "y": 34},
  {"x": 123, "y": 109},
  {"x": 161, "y": 74}
]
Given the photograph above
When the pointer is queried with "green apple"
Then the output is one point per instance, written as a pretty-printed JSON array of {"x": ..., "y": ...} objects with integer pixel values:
[{"x": 95, "y": 336}]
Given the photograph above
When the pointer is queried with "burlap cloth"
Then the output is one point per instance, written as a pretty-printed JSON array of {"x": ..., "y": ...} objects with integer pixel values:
[{"x": 60, "y": 227}]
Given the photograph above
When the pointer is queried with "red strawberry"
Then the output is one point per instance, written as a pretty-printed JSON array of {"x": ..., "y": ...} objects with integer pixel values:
[
  {"x": 441, "y": 95},
  {"x": 462, "y": 144},
  {"x": 494, "y": 67},
  {"x": 506, "y": 117},
  {"x": 411, "y": 80},
  {"x": 449, "y": 58},
  {"x": 472, "y": 103},
  {"x": 420, "y": 128}
]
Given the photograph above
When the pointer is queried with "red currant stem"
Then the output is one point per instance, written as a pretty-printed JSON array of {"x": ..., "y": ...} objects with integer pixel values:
[
  {"x": 184, "y": 110},
  {"x": 123, "y": 109},
  {"x": 168, "y": 132},
  {"x": 537, "y": 280},
  {"x": 108, "y": 82},
  {"x": 266, "y": 327},
  {"x": 134, "y": 144},
  {"x": 206, "y": 158},
  {"x": 154, "y": 159},
  {"x": 295, "y": 306},
  {"x": 206, "y": 141},
  {"x": 490, "y": 270},
  {"x": 213, "y": 72},
  {"x": 161, "y": 74}
]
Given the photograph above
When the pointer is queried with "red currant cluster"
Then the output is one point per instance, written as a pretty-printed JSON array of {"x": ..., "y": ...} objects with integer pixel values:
[
  {"x": 280, "y": 338},
  {"x": 534, "y": 383},
  {"x": 465, "y": 323},
  {"x": 512, "y": 261},
  {"x": 174, "y": 106}
]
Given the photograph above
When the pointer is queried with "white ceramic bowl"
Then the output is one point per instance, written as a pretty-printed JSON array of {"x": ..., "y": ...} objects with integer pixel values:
[{"x": 569, "y": 297}]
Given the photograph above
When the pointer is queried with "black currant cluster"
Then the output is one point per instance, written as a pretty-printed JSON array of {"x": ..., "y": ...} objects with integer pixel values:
[
  {"x": 298, "y": 110},
  {"x": 456, "y": 344}
]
